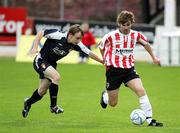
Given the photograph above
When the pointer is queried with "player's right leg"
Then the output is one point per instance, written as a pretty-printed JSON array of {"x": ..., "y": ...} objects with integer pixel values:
[
  {"x": 52, "y": 74},
  {"x": 109, "y": 97},
  {"x": 113, "y": 82},
  {"x": 36, "y": 96}
]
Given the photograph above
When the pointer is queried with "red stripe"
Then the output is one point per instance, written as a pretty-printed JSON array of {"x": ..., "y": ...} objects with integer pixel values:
[
  {"x": 117, "y": 61},
  {"x": 106, "y": 53},
  {"x": 124, "y": 62},
  {"x": 138, "y": 37},
  {"x": 144, "y": 38},
  {"x": 117, "y": 36},
  {"x": 130, "y": 60},
  {"x": 117, "y": 57},
  {"x": 117, "y": 45},
  {"x": 132, "y": 40},
  {"x": 110, "y": 50}
]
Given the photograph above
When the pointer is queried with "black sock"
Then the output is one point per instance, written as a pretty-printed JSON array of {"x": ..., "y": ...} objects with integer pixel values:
[
  {"x": 34, "y": 98},
  {"x": 53, "y": 91}
]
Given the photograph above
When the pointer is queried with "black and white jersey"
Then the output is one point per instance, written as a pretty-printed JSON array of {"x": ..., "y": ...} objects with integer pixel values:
[{"x": 57, "y": 47}]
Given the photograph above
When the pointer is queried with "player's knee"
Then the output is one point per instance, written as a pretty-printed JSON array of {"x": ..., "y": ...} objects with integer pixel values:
[
  {"x": 141, "y": 92},
  {"x": 112, "y": 103},
  {"x": 42, "y": 92},
  {"x": 56, "y": 79}
]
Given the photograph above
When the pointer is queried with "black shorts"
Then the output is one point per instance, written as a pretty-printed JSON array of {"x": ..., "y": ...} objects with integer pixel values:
[
  {"x": 116, "y": 76},
  {"x": 40, "y": 65}
]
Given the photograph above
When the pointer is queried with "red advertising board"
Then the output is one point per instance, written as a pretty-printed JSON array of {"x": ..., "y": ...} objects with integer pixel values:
[{"x": 10, "y": 19}]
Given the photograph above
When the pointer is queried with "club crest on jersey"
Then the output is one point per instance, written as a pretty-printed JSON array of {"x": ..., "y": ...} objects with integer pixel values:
[
  {"x": 43, "y": 65},
  {"x": 107, "y": 85}
]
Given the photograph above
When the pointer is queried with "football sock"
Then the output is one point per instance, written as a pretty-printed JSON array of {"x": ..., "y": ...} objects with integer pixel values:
[
  {"x": 105, "y": 97},
  {"x": 146, "y": 107},
  {"x": 53, "y": 91},
  {"x": 34, "y": 98}
]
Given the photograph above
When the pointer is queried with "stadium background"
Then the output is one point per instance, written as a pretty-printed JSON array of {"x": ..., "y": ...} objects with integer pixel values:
[
  {"x": 17, "y": 79},
  {"x": 60, "y": 14}
]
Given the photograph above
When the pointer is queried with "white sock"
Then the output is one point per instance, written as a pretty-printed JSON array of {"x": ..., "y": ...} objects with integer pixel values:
[
  {"x": 80, "y": 59},
  {"x": 84, "y": 60},
  {"x": 105, "y": 97},
  {"x": 146, "y": 107}
]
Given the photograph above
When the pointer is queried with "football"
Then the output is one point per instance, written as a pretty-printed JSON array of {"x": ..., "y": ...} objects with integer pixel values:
[{"x": 138, "y": 117}]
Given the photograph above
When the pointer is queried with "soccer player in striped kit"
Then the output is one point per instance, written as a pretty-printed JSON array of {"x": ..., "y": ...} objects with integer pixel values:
[{"x": 117, "y": 49}]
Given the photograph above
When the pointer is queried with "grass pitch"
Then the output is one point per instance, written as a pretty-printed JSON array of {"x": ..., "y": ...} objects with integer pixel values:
[{"x": 79, "y": 94}]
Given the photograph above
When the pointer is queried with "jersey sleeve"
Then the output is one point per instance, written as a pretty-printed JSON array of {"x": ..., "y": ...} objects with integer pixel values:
[
  {"x": 83, "y": 48},
  {"x": 143, "y": 37},
  {"x": 103, "y": 42},
  {"x": 53, "y": 34}
]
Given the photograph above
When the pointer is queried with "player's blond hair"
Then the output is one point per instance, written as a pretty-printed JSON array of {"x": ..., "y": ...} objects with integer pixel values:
[
  {"x": 75, "y": 29},
  {"x": 125, "y": 16}
]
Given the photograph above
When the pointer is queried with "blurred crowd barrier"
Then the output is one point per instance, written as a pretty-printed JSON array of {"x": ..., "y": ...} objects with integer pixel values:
[{"x": 15, "y": 31}]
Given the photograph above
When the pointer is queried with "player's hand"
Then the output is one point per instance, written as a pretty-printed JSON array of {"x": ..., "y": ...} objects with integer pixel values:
[
  {"x": 32, "y": 52},
  {"x": 103, "y": 62},
  {"x": 156, "y": 60}
]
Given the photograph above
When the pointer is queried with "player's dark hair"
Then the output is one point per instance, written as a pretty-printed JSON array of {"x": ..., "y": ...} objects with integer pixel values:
[
  {"x": 75, "y": 29},
  {"x": 124, "y": 17}
]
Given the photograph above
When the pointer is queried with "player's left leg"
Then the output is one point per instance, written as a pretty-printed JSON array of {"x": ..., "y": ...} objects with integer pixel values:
[
  {"x": 52, "y": 74},
  {"x": 136, "y": 86}
]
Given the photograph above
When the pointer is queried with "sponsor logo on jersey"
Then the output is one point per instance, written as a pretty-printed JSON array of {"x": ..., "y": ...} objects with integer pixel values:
[
  {"x": 123, "y": 51},
  {"x": 59, "y": 51},
  {"x": 60, "y": 44}
]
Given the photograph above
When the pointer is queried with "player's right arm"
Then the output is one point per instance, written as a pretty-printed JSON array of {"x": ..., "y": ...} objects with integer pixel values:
[
  {"x": 34, "y": 49},
  {"x": 102, "y": 44},
  {"x": 47, "y": 33},
  {"x": 102, "y": 52}
]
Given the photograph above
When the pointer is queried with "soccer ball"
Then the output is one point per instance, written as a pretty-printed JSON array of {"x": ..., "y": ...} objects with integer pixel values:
[{"x": 138, "y": 117}]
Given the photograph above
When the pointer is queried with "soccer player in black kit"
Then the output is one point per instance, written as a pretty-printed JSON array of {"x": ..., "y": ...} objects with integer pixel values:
[{"x": 57, "y": 46}]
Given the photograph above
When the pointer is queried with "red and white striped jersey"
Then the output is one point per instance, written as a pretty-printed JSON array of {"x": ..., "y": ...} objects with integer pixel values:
[{"x": 119, "y": 48}]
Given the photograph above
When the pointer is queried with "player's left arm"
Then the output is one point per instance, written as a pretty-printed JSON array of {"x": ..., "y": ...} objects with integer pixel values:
[
  {"x": 95, "y": 57},
  {"x": 90, "y": 53},
  {"x": 148, "y": 48}
]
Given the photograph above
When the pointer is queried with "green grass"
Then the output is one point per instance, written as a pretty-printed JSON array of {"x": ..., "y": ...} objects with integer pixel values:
[{"x": 80, "y": 89}]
